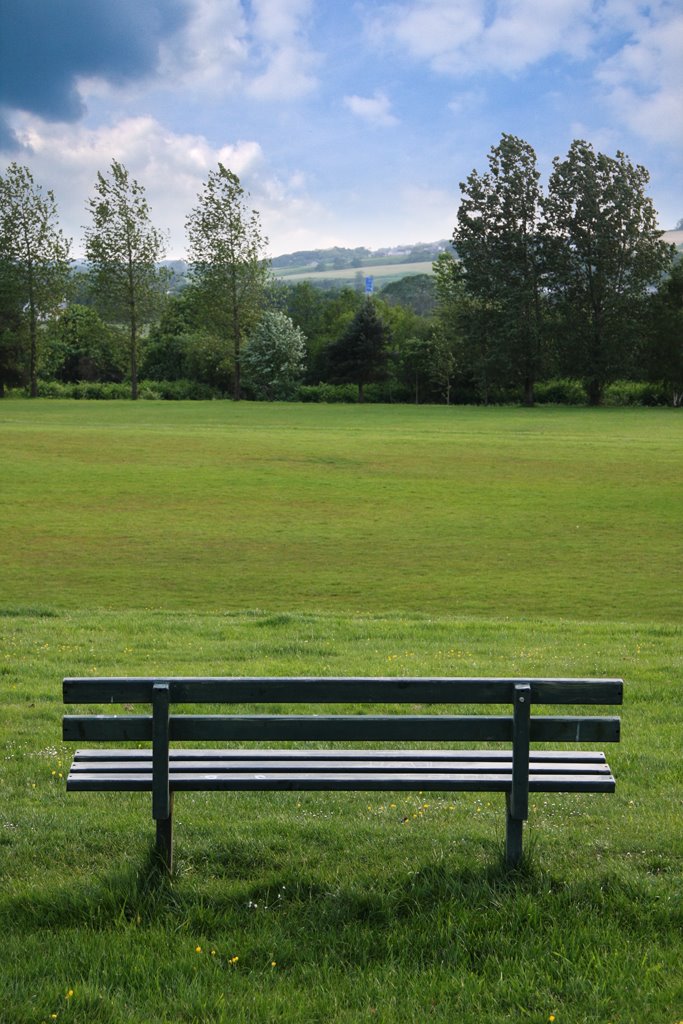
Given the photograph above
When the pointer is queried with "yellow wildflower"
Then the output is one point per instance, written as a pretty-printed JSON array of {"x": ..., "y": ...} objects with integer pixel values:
[{"x": 197, "y": 949}]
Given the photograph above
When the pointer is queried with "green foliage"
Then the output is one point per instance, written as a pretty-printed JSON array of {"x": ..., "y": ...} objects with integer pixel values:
[
  {"x": 663, "y": 358},
  {"x": 35, "y": 268},
  {"x": 416, "y": 292},
  {"x": 154, "y": 390},
  {"x": 360, "y": 355},
  {"x": 273, "y": 362},
  {"x": 79, "y": 346},
  {"x": 561, "y": 392},
  {"x": 603, "y": 250},
  {"x": 345, "y": 393},
  {"x": 123, "y": 249},
  {"x": 633, "y": 392},
  {"x": 228, "y": 270},
  {"x": 496, "y": 239}
]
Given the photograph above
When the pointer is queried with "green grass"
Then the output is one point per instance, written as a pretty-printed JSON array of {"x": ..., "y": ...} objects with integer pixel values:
[
  {"x": 211, "y": 506},
  {"x": 132, "y": 546}
]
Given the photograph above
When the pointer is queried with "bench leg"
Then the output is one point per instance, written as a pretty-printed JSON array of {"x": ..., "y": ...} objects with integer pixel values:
[
  {"x": 164, "y": 844},
  {"x": 513, "y": 837}
]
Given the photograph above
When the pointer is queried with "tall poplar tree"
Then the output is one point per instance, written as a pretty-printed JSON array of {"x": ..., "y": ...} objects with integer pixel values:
[
  {"x": 603, "y": 254},
  {"x": 34, "y": 257},
  {"x": 227, "y": 262},
  {"x": 123, "y": 249},
  {"x": 497, "y": 242}
]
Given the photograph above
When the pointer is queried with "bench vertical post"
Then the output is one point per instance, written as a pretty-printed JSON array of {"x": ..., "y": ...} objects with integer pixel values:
[
  {"x": 517, "y": 801},
  {"x": 162, "y": 798}
]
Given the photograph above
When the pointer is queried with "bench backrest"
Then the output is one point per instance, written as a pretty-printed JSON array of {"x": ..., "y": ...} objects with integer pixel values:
[
  {"x": 342, "y": 725},
  {"x": 520, "y": 727}
]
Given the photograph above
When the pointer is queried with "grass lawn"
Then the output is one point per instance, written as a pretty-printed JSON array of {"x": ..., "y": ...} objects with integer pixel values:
[{"x": 211, "y": 538}]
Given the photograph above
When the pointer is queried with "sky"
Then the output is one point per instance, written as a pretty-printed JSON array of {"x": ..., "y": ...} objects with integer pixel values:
[{"x": 349, "y": 122}]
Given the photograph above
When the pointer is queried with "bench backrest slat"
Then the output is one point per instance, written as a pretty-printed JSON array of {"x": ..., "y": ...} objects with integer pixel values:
[
  {"x": 325, "y": 690},
  {"x": 389, "y": 728}
]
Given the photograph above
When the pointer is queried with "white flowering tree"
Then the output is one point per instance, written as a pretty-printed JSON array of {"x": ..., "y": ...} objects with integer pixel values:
[{"x": 275, "y": 358}]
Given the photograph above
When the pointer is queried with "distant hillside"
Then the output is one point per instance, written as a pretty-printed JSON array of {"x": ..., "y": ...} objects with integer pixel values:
[{"x": 339, "y": 265}]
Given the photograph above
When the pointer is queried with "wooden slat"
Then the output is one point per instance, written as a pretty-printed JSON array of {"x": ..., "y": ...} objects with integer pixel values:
[
  {"x": 312, "y": 781},
  {"x": 333, "y": 765},
  {"x": 323, "y": 689},
  {"x": 392, "y": 728},
  {"x": 294, "y": 753}
]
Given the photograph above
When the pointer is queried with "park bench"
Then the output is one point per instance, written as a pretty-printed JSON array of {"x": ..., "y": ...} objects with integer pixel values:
[{"x": 515, "y": 771}]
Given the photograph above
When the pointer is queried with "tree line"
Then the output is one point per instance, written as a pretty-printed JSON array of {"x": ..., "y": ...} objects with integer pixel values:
[{"x": 569, "y": 283}]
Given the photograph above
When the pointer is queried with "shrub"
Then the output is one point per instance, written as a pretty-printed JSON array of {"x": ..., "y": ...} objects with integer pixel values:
[
  {"x": 327, "y": 393},
  {"x": 635, "y": 392},
  {"x": 560, "y": 392}
]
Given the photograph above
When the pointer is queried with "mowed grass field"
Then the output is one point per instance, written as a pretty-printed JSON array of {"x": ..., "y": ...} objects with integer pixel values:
[
  {"x": 216, "y": 506},
  {"x": 220, "y": 539}
]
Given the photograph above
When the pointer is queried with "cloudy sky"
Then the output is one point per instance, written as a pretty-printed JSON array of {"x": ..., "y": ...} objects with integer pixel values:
[{"x": 350, "y": 122}]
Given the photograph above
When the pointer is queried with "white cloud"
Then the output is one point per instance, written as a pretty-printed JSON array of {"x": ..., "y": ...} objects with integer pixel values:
[
  {"x": 644, "y": 80},
  {"x": 287, "y": 75},
  {"x": 375, "y": 109},
  {"x": 211, "y": 52},
  {"x": 467, "y": 101},
  {"x": 171, "y": 167},
  {"x": 264, "y": 52},
  {"x": 280, "y": 41},
  {"x": 463, "y": 37}
]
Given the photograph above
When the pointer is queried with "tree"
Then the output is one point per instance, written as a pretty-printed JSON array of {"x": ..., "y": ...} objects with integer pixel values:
[
  {"x": 497, "y": 242},
  {"x": 228, "y": 269},
  {"x": 415, "y": 363},
  {"x": 443, "y": 361},
  {"x": 665, "y": 334},
  {"x": 34, "y": 254},
  {"x": 417, "y": 292},
  {"x": 360, "y": 355},
  {"x": 80, "y": 346},
  {"x": 123, "y": 249},
  {"x": 603, "y": 252},
  {"x": 275, "y": 358}
]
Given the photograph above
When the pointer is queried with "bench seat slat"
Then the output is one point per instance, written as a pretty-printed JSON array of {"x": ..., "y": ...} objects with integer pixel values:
[
  {"x": 314, "y": 754},
  {"x": 432, "y": 781},
  {"x": 303, "y": 765}
]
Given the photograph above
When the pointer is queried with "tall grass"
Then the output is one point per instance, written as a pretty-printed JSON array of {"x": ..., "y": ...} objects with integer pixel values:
[{"x": 339, "y": 907}]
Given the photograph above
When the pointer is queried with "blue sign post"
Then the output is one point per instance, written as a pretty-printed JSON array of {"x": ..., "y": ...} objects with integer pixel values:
[{"x": 369, "y": 285}]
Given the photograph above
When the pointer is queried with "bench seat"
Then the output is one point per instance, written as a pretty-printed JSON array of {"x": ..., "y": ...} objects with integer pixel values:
[{"x": 433, "y": 770}]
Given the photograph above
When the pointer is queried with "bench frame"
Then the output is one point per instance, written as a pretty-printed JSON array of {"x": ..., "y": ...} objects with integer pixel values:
[{"x": 516, "y": 772}]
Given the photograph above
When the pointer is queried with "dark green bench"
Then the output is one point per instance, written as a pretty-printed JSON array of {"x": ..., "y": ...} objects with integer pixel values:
[{"x": 515, "y": 771}]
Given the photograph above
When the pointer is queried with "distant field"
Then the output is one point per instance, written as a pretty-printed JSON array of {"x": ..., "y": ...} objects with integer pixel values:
[
  {"x": 383, "y": 273},
  {"x": 561, "y": 512}
]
